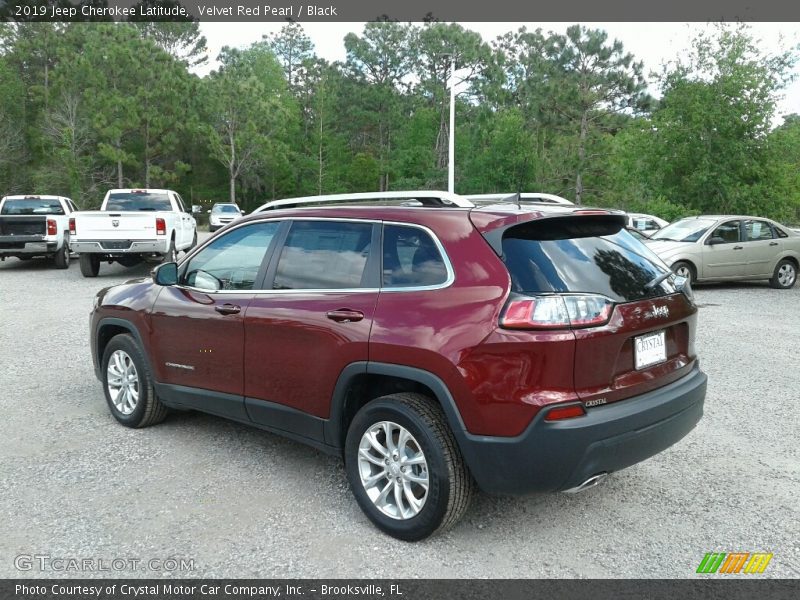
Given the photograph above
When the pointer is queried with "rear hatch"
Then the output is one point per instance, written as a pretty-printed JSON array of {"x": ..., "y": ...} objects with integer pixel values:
[{"x": 632, "y": 319}]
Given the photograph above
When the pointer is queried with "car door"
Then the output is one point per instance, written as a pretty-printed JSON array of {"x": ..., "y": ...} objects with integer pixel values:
[
  {"x": 197, "y": 326},
  {"x": 183, "y": 225},
  {"x": 761, "y": 247},
  {"x": 723, "y": 252},
  {"x": 313, "y": 321}
]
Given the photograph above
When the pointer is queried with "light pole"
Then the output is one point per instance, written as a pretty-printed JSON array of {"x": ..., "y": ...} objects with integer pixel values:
[{"x": 451, "y": 150}]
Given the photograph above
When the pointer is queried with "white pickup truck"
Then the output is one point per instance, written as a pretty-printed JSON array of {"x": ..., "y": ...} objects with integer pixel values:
[
  {"x": 132, "y": 226},
  {"x": 32, "y": 226}
]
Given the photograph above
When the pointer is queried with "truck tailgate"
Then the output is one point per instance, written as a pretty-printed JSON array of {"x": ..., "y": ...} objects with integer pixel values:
[
  {"x": 101, "y": 225},
  {"x": 13, "y": 225}
]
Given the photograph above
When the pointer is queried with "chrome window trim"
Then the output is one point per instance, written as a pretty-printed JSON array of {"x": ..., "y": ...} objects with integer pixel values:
[{"x": 422, "y": 288}]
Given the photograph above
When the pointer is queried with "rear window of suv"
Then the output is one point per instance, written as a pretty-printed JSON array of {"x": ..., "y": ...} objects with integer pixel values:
[{"x": 581, "y": 255}]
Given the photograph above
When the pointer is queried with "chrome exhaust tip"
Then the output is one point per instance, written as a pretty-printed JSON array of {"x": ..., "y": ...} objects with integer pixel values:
[{"x": 593, "y": 481}]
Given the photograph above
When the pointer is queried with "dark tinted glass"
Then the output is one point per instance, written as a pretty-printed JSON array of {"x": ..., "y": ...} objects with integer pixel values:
[
  {"x": 232, "y": 261},
  {"x": 138, "y": 201},
  {"x": 596, "y": 258},
  {"x": 225, "y": 208},
  {"x": 31, "y": 206},
  {"x": 324, "y": 255},
  {"x": 727, "y": 232},
  {"x": 411, "y": 258}
]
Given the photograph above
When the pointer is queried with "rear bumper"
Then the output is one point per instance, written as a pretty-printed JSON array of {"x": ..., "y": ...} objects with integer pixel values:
[
  {"x": 12, "y": 245},
  {"x": 557, "y": 456},
  {"x": 120, "y": 247}
]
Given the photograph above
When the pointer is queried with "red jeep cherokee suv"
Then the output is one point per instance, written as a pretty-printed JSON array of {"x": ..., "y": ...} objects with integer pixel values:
[{"x": 435, "y": 345}]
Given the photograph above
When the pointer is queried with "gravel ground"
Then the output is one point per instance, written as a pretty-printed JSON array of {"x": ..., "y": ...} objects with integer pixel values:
[{"x": 244, "y": 503}]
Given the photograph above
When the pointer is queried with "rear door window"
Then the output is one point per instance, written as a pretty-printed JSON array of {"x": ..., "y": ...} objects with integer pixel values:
[
  {"x": 326, "y": 255},
  {"x": 411, "y": 258},
  {"x": 757, "y": 230},
  {"x": 586, "y": 256}
]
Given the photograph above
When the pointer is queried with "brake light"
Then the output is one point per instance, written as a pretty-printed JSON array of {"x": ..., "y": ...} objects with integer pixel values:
[
  {"x": 51, "y": 227},
  {"x": 72, "y": 230},
  {"x": 161, "y": 226},
  {"x": 556, "y": 311},
  {"x": 565, "y": 412}
]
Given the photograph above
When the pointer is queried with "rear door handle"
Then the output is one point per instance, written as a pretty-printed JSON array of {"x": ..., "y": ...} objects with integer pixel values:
[
  {"x": 228, "y": 309},
  {"x": 737, "y": 247},
  {"x": 773, "y": 243},
  {"x": 345, "y": 315}
]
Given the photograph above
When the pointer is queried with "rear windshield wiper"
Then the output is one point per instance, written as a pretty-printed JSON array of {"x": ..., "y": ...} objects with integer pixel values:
[{"x": 650, "y": 285}]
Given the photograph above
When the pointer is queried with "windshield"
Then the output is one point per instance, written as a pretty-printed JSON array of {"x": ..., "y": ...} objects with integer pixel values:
[
  {"x": 138, "y": 201},
  {"x": 32, "y": 206},
  {"x": 568, "y": 256},
  {"x": 686, "y": 230},
  {"x": 225, "y": 208}
]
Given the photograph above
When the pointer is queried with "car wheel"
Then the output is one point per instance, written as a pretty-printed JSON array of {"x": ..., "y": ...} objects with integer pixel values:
[
  {"x": 785, "y": 275},
  {"x": 172, "y": 253},
  {"x": 61, "y": 257},
  {"x": 128, "y": 385},
  {"x": 194, "y": 241},
  {"x": 685, "y": 269},
  {"x": 90, "y": 265},
  {"x": 405, "y": 468}
]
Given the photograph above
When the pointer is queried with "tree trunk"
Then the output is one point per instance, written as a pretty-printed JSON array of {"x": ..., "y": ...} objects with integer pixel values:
[
  {"x": 119, "y": 173},
  {"x": 233, "y": 188},
  {"x": 581, "y": 159}
]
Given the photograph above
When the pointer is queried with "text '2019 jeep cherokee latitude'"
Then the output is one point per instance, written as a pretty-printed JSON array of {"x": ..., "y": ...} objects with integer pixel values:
[{"x": 433, "y": 344}]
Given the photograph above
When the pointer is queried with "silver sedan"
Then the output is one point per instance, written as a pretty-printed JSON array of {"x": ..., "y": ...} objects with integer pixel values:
[{"x": 730, "y": 248}]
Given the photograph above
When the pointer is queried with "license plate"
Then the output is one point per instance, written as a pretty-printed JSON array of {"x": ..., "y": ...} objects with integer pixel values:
[
  {"x": 649, "y": 349},
  {"x": 36, "y": 246}
]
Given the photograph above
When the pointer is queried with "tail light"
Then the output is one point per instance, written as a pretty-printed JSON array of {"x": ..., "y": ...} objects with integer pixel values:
[
  {"x": 51, "y": 227},
  {"x": 556, "y": 311},
  {"x": 72, "y": 230},
  {"x": 564, "y": 412},
  {"x": 161, "y": 226}
]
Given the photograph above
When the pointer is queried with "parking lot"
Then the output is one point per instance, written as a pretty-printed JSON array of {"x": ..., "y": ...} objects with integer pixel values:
[{"x": 237, "y": 502}]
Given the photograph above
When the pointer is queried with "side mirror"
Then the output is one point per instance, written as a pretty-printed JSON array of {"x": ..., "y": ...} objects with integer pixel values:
[
  {"x": 166, "y": 274},
  {"x": 713, "y": 241}
]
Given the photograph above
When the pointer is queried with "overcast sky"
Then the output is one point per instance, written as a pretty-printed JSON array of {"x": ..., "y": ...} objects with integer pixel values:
[{"x": 653, "y": 43}]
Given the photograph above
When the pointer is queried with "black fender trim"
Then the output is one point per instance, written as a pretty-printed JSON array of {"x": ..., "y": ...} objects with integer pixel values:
[
  {"x": 333, "y": 427},
  {"x": 116, "y": 322}
]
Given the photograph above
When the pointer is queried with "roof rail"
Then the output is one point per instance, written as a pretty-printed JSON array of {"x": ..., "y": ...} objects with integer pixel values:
[
  {"x": 425, "y": 198},
  {"x": 528, "y": 197}
]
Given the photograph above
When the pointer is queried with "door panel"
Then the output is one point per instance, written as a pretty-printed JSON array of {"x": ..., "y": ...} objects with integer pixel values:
[
  {"x": 726, "y": 259},
  {"x": 762, "y": 250},
  {"x": 295, "y": 350},
  {"x": 197, "y": 345}
]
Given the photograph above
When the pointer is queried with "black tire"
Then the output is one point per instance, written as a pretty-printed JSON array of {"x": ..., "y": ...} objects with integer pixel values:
[
  {"x": 450, "y": 485},
  {"x": 90, "y": 265},
  {"x": 785, "y": 275},
  {"x": 682, "y": 265},
  {"x": 148, "y": 408},
  {"x": 194, "y": 241},
  {"x": 212, "y": 229},
  {"x": 172, "y": 253},
  {"x": 61, "y": 257},
  {"x": 25, "y": 258}
]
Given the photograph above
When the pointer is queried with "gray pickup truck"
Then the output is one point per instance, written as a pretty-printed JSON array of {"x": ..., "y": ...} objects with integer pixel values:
[{"x": 36, "y": 226}]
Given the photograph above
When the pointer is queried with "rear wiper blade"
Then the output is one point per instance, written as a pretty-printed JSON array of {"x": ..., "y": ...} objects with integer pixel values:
[{"x": 648, "y": 287}]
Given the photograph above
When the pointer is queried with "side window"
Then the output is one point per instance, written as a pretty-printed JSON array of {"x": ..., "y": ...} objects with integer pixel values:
[
  {"x": 325, "y": 255},
  {"x": 728, "y": 232},
  {"x": 650, "y": 224},
  {"x": 411, "y": 258},
  {"x": 232, "y": 261},
  {"x": 757, "y": 230},
  {"x": 781, "y": 233}
]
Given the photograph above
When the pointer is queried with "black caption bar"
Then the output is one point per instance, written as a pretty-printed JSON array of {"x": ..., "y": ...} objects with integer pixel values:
[
  {"x": 407, "y": 10},
  {"x": 445, "y": 589}
]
